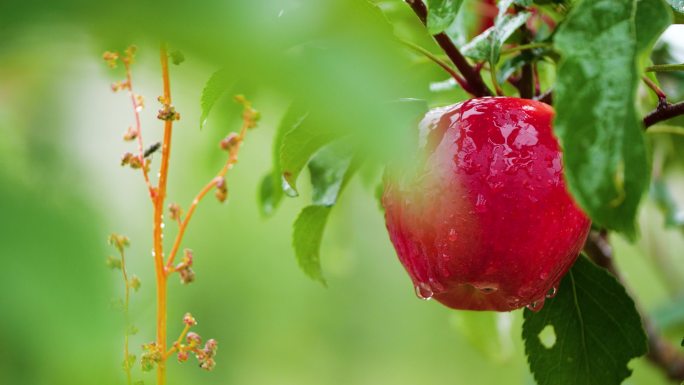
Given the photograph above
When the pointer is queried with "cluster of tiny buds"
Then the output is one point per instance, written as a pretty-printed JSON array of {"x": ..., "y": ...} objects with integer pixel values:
[
  {"x": 151, "y": 356},
  {"x": 120, "y": 242},
  {"x": 230, "y": 142},
  {"x": 184, "y": 269},
  {"x": 110, "y": 58},
  {"x": 167, "y": 112},
  {"x": 193, "y": 344},
  {"x": 121, "y": 85},
  {"x": 221, "y": 189},
  {"x": 134, "y": 161}
]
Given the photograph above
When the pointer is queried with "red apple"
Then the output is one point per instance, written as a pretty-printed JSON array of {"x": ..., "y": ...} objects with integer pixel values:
[{"x": 483, "y": 220}]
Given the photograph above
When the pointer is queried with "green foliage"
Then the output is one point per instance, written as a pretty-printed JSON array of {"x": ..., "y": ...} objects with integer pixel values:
[
  {"x": 597, "y": 331},
  {"x": 677, "y": 5},
  {"x": 219, "y": 82},
  {"x": 271, "y": 190},
  {"x": 605, "y": 154},
  {"x": 298, "y": 146},
  {"x": 487, "y": 45},
  {"x": 442, "y": 14},
  {"x": 330, "y": 171}
]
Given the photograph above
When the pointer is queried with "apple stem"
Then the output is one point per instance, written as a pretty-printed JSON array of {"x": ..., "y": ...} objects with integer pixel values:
[
  {"x": 661, "y": 353},
  {"x": 472, "y": 77}
]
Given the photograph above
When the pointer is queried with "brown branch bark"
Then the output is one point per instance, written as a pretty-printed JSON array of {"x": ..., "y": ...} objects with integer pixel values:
[
  {"x": 661, "y": 353},
  {"x": 473, "y": 78},
  {"x": 664, "y": 112}
]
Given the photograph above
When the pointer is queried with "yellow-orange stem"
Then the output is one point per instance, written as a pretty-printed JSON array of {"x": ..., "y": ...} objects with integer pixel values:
[
  {"x": 204, "y": 191},
  {"x": 158, "y": 223}
]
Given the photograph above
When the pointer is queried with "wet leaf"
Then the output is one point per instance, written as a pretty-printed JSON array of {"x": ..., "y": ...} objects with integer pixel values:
[
  {"x": 331, "y": 169},
  {"x": 597, "y": 123},
  {"x": 442, "y": 14},
  {"x": 597, "y": 331}
]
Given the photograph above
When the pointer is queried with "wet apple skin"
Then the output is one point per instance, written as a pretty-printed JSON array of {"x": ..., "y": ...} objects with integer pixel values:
[{"x": 485, "y": 222}]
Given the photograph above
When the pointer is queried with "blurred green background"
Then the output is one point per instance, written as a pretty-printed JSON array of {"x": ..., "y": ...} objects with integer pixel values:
[{"x": 62, "y": 193}]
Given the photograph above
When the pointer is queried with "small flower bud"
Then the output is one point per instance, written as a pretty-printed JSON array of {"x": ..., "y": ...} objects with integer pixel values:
[
  {"x": 110, "y": 58},
  {"x": 119, "y": 241},
  {"x": 187, "y": 275},
  {"x": 113, "y": 263},
  {"x": 121, "y": 85},
  {"x": 230, "y": 142},
  {"x": 126, "y": 158},
  {"x": 221, "y": 189},
  {"x": 131, "y": 134},
  {"x": 135, "y": 162},
  {"x": 211, "y": 347},
  {"x": 150, "y": 357},
  {"x": 168, "y": 112},
  {"x": 134, "y": 282},
  {"x": 193, "y": 339},
  {"x": 129, "y": 54},
  {"x": 175, "y": 211},
  {"x": 182, "y": 356},
  {"x": 189, "y": 320},
  {"x": 139, "y": 102},
  {"x": 208, "y": 364}
]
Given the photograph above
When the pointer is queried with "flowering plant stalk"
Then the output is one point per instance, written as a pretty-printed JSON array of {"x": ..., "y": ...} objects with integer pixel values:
[{"x": 156, "y": 353}]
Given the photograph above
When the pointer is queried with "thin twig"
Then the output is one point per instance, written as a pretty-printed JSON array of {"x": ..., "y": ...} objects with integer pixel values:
[
  {"x": 459, "y": 79},
  {"x": 232, "y": 159},
  {"x": 662, "y": 98},
  {"x": 527, "y": 79},
  {"x": 661, "y": 353},
  {"x": 138, "y": 127},
  {"x": 664, "y": 112},
  {"x": 524, "y": 47},
  {"x": 665, "y": 68},
  {"x": 473, "y": 77}
]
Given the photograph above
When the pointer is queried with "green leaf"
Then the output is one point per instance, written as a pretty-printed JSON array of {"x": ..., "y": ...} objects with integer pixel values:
[
  {"x": 331, "y": 169},
  {"x": 487, "y": 45},
  {"x": 328, "y": 169},
  {"x": 442, "y": 14},
  {"x": 271, "y": 190},
  {"x": 597, "y": 331},
  {"x": 306, "y": 239},
  {"x": 652, "y": 17},
  {"x": 597, "y": 123},
  {"x": 270, "y": 193},
  {"x": 215, "y": 87},
  {"x": 297, "y": 147},
  {"x": 677, "y": 5}
]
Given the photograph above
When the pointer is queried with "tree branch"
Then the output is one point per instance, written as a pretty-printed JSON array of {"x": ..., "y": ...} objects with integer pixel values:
[
  {"x": 661, "y": 353},
  {"x": 477, "y": 85},
  {"x": 664, "y": 112}
]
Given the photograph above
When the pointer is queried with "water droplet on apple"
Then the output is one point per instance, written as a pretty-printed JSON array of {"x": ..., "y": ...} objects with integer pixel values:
[
  {"x": 536, "y": 306},
  {"x": 480, "y": 203},
  {"x": 544, "y": 276},
  {"x": 423, "y": 291},
  {"x": 453, "y": 235},
  {"x": 552, "y": 293}
]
